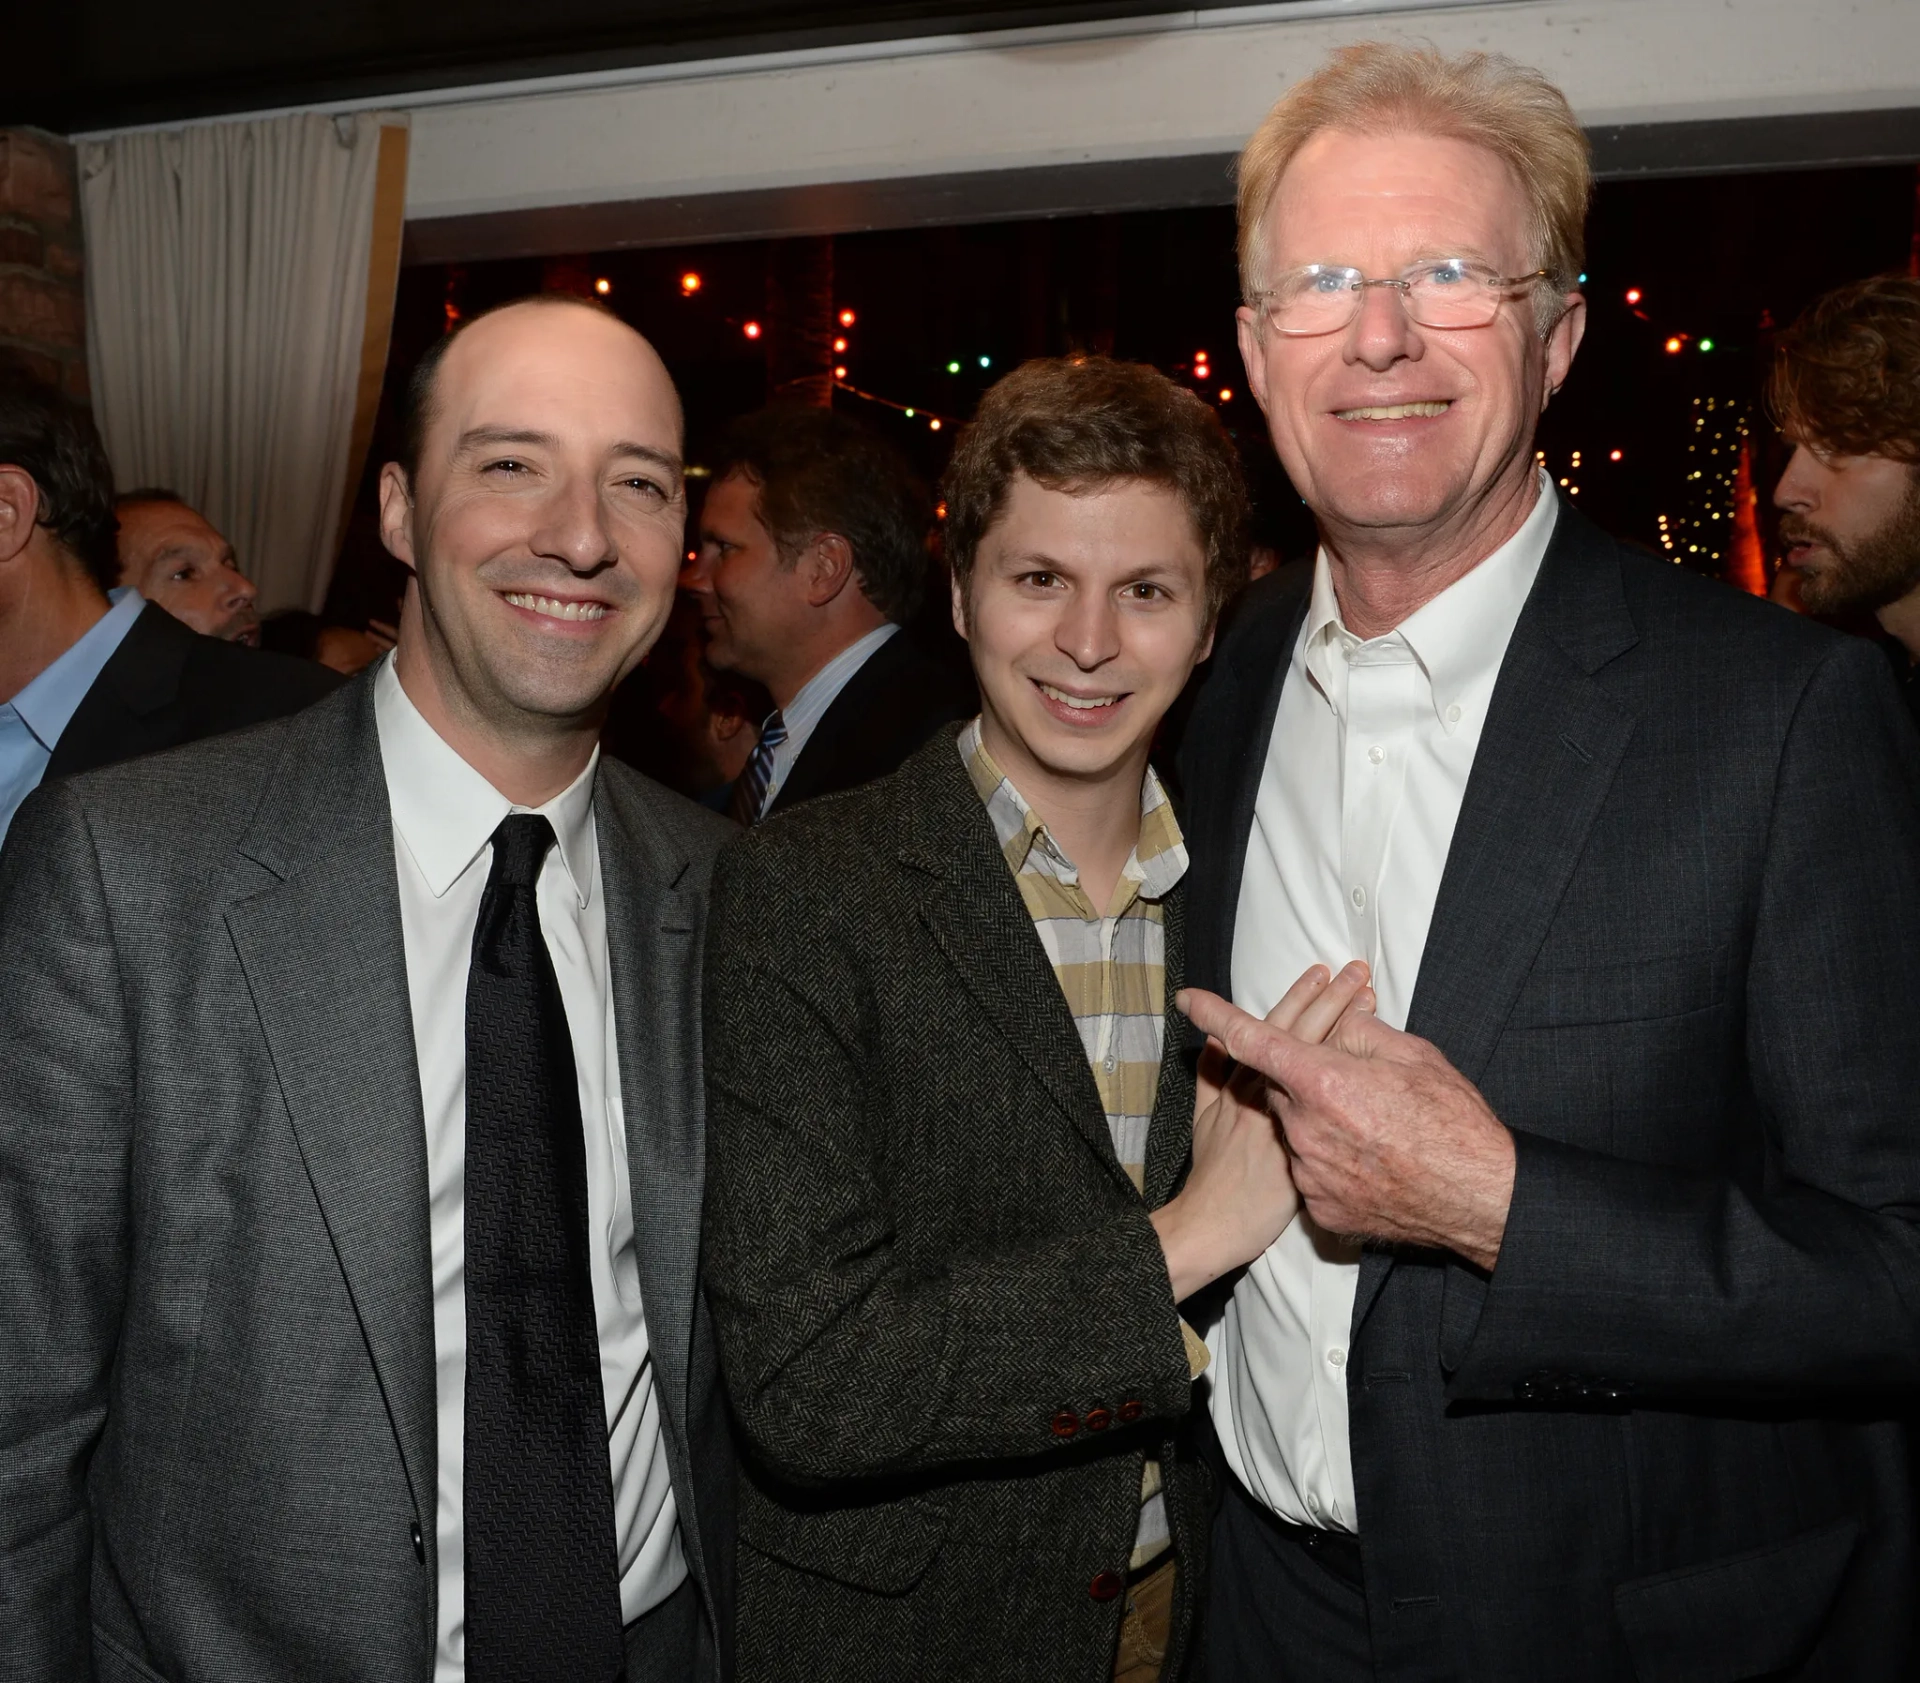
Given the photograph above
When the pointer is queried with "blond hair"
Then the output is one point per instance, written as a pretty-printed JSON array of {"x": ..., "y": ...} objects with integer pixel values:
[{"x": 1485, "y": 99}]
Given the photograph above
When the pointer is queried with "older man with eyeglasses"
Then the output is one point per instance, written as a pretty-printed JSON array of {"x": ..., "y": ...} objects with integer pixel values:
[{"x": 1583, "y": 1360}]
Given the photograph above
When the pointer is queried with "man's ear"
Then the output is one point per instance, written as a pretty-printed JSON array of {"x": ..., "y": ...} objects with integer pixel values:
[
  {"x": 396, "y": 513},
  {"x": 1563, "y": 340},
  {"x": 959, "y": 605},
  {"x": 1253, "y": 356},
  {"x": 19, "y": 510},
  {"x": 825, "y": 568}
]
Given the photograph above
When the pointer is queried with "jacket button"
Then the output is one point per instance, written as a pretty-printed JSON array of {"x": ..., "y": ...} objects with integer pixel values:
[
  {"x": 1098, "y": 1419},
  {"x": 1130, "y": 1412},
  {"x": 419, "y": 1543},
  {"x": 1106, "y": 1586},
  {"x": 1065, "y": 1423}
]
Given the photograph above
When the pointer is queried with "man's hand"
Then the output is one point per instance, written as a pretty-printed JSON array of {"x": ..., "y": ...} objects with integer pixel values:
[
  {"x": 1239, "y": 1195},
  {"x": 1389, "y": 1140}
]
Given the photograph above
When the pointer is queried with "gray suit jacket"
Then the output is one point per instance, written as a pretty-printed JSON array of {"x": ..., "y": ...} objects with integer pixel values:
[
  {"x": 1677, "y": 945},
  {"x": 217, "y": 1437}
]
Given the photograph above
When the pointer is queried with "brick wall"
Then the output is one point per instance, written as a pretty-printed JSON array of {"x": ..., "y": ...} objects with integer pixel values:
[{"x": 43, "y": 317}]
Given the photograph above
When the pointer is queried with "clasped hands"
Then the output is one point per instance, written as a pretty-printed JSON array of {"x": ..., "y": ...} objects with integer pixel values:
[{"x": 1322, "y": 1103}]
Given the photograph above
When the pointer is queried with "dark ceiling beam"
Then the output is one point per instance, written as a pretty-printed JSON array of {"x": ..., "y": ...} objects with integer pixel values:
[{"x": 1742, "y": 145}]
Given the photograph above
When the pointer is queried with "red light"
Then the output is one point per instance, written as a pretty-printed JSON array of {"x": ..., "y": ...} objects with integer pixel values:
[
  {"x": 839, "y": 347},
  {"x": 839, "y": 373},
  {"x": 1226, "y": 394},
  {"x": 846, "y": 318},
  {"x": 690, "y": 283},
  {"x": 751, "y": 330},
  {"x": 1201, "y": 356},
  {"x": 1676, "y": 345},
  {"x": 1633, "y": 295},
  {"x": 1614, "y": 457}
]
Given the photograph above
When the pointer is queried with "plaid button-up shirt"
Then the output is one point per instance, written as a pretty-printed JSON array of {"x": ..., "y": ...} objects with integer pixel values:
[{"x": 1112, "y": 966}]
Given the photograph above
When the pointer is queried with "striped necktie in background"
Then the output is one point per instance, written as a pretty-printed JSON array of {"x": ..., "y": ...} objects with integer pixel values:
[{"x": 750, "y": 792}]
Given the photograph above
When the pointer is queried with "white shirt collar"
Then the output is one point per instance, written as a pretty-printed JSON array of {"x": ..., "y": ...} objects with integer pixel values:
[
  {"x": 1459, "y": 638},
  {"x": 446, "y": 812}
]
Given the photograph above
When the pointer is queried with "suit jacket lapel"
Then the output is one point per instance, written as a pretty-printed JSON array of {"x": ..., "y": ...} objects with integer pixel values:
[
  {"x": 973, "y": 910},
  {"x": 656, "y": 990},
  {"x": 317, "y": 930},
  {"x": 1553, "y": 741},
  {"x": 140, "y": 677}
]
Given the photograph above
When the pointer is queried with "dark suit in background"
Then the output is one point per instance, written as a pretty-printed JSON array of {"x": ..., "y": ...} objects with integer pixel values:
[
  {"x": 167, "y": 685},
  {"x": 928, "y": 1268},
  {"x": 900, "y": 696},
  {"x": 217, "y": 1393},
  {"x": 1677, "y": 946}
]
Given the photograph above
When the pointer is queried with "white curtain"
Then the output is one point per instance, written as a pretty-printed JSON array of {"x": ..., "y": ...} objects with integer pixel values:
[{"x": 227, "y": 300}]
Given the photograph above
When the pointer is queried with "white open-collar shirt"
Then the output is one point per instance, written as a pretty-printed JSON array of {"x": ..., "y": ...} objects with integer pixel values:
[
  {"x": 444, "y": 816},
  {"x": 1372, "y": 745}
]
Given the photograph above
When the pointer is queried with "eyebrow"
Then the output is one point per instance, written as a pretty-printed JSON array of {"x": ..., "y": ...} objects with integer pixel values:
[{"x": 482, "y": 437}]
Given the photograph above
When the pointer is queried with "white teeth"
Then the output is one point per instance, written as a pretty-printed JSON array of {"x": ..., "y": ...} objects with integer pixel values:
[
  {"x": 1080, "y": 701},
  {"x": 555, "y": 609},
  {"x": 1391, "y": 412}
]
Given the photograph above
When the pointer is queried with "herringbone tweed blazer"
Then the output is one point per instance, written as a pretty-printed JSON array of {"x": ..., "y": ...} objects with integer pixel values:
[{"x": 944, "y": 1317}]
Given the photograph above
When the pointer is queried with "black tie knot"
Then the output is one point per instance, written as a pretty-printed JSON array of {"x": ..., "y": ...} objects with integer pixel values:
[{"x": 519, "y": 849}]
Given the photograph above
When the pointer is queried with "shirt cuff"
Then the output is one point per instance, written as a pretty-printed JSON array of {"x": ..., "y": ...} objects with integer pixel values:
[{"x": 1198, "y": 1355}]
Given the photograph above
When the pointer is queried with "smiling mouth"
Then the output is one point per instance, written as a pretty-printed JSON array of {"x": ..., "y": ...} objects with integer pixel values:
[
  {"x": 1394, "y": 411},
  {"x": 552, "y": 607},
  {"x": 1079, "y": 703}
]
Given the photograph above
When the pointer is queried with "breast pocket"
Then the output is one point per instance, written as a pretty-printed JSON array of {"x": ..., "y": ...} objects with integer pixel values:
[{"x": 1568, "y": 992}]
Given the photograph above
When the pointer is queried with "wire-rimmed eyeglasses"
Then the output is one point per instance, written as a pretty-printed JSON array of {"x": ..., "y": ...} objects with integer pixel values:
[{"x": 1437, "y": 292}]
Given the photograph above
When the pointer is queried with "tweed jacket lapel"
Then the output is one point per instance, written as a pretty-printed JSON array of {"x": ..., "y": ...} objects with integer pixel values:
[
  {"x": 315, "y": 921},
  {"x": 972, "y": 908},
  {"x": 1553, "y": 741}
]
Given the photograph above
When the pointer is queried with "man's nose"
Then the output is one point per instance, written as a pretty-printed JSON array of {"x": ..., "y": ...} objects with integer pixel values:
[
  {"x": 1382, "y": 333},
  {"x": 1795, "y": 490},
  {"x": 696, "y": 572},
  {"x": 573, "y": 528},
  {"x": 1089, "y": 631},
  {"x": 241, "y": 590}
]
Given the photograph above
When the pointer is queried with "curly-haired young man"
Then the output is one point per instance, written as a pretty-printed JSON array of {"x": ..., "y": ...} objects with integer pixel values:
[{"x": 1846, "y": 388}]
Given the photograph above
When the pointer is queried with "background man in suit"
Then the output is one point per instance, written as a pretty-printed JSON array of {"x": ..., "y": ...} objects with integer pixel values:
[
  {"x": 372, "y": 1347},
  {"x": 171, "y": 553},
  {"x": 1606, "y": 1391},
  {"x": 813, "y": 555},
  {"x": 1846, "y": 386},
  {"x": 89, "y": 673},
  {"x": 947, "y": 1231}
]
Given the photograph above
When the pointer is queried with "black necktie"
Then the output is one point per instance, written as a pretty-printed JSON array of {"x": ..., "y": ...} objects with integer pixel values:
[{"x": 542, "y": 1573}]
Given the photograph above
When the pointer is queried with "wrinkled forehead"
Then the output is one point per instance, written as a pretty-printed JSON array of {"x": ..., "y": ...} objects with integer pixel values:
[
  {"x": 1379, "y": 201},
  {"x": 151, "y": 527}
]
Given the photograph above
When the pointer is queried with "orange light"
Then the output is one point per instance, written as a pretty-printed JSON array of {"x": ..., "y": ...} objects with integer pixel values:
[
  {"x": 939, "y": 511},
  {"x": 1633, "y": 295},
  {"x": 603, "y": 286},
  {"x": 690, "y": 283},
  {"x": 1226, "y": 394},
  {"x": 751, "y": 330},
  {"x": 1614, "y": 457},
  {"x": 1676, "y": 345},
  {"x": 846, "y": 318},
  {"x": 1201, "y": 356},
  {"x": 839, "y": 373},
  {"x": 839, "y": 347},
  {"x": 934, "y": 424}
]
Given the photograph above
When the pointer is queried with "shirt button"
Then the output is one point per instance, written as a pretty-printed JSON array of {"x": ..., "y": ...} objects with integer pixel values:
[
  {"x": 1359, "y": 899},
  {"x": 1376, "y": 753},
  {"x": 1453, "y": 714},
  {"x": 1110, "y": 1064},
  {"x": 1336, "y": 1357}
]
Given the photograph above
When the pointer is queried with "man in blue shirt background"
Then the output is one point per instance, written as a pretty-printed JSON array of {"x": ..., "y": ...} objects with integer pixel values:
[{"x": 89, "y": 672}]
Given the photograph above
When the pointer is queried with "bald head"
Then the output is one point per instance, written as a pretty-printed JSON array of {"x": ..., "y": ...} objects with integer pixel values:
[{"x": 541, "y": 511}]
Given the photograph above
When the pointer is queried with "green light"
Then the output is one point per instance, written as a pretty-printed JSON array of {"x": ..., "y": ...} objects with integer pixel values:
[
  {"x": 953, "y": 368},
  {"x": 1706, "y": 344},
  {"x": 986, "y": 362},
  {"x": 909, "y": 414}
]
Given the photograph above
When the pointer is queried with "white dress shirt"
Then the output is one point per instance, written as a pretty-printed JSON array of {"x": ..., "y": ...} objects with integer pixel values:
[
  {"x": 1371, "y": 749},
  {"x": 444, "y": 816},
  {"x": 817, "y": 694}
]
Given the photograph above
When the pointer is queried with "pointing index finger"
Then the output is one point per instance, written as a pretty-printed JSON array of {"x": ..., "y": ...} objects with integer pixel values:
[{"x": 1271, "y": 1051}]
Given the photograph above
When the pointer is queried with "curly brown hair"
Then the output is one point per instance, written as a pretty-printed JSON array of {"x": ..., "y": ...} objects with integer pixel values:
[
  {"x": 1846, "y": 375},
  {"x": 1073, "y": 423}
]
